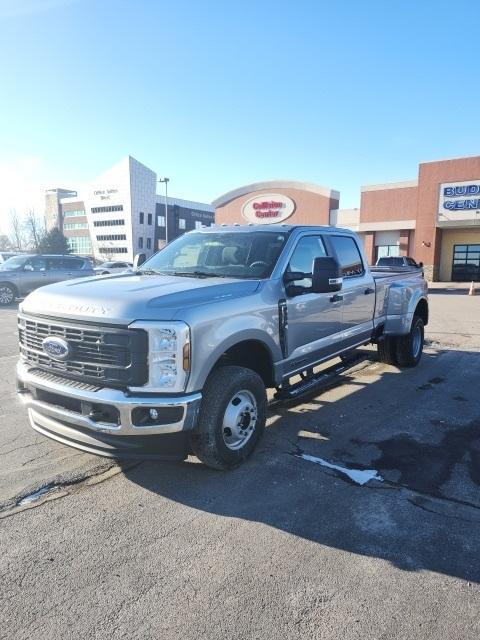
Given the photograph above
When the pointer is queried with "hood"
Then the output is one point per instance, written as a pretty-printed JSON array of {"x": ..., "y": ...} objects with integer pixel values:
[{"x": 123, "y": 298}]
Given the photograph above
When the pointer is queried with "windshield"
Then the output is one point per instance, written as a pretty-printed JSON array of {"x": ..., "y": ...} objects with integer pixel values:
[
  {"x": 229, "y": 255},
  {"x": 12, "y": 264},
  {"x": 105, "y": 265}
]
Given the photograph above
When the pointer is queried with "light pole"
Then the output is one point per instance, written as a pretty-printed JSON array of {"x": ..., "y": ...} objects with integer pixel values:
[{"x": 166, "y": 180}]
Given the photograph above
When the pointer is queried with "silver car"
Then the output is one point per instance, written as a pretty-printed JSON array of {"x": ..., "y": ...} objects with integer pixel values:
[
  {"x": 22, "y": 274},
  {"x": 112, "y": 267}
]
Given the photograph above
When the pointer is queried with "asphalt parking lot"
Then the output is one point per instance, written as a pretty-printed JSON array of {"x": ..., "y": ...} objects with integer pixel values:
[{"x": 283, "y": 547}]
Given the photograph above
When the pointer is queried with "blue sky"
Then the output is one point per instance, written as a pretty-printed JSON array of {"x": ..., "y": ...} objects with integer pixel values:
[{"x": 219, "y": 94}]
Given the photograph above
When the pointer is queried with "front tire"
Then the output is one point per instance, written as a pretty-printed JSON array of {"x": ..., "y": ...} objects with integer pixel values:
[
  {"x": 232, "y": 417},
  {"x": 410, "y": 347},
  {"x": 7, "y": 294}
]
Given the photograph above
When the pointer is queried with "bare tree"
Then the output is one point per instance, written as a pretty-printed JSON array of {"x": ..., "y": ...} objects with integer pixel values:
[
  {"x": 35, "y": 230},
  {"x": 5, "y": 244},
  {"x": 17, "y": 237}
]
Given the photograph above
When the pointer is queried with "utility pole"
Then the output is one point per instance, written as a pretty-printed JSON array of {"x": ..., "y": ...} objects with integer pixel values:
[{"x": 166, "y": 181}]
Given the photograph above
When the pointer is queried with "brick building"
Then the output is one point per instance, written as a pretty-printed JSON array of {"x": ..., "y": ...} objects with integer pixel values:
[{"x": 435, "y": 218}]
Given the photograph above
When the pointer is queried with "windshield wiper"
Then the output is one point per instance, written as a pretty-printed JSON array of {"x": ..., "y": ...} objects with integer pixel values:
[
  {"x": 197, "y": 274},
  {"x": 148, "y": 272}
]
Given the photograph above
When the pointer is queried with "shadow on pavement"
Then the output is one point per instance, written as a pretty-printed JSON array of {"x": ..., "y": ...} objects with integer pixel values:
[
  {"x": 420, "y": 431},
  {"x": 449, "y": 292}
]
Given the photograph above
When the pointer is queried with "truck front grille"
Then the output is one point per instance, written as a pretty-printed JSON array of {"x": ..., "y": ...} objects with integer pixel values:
[{"x": 109, "y": 356}]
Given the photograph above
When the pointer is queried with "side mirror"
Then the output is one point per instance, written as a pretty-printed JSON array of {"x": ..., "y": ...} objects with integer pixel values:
[
  {"x": 326, "y": 275},
  {"x": 139, "y": 259},
  {"x": 291, "y": 276},
  {"x": 28, "y": 267}
]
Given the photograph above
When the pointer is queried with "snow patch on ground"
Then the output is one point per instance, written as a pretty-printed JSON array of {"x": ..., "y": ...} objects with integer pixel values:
[{"x": 360, "y": 476}]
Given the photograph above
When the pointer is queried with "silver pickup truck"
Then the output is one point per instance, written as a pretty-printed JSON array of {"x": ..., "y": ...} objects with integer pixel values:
[{"x": 176, "y": 357}]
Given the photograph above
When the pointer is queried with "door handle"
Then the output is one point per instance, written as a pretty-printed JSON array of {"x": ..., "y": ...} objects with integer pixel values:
[
  {"x": 336, "y": 298},
  {"x": 368, "y": 291}
]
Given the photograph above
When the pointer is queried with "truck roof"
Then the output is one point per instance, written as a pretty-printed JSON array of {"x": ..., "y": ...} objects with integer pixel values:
[{"x": 274, "y": 228}]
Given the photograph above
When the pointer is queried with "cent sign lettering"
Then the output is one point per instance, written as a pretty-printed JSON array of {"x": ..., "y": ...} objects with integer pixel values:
[
  {"x": 268, "y": 208},
  {"x": 56, "y": 348}
]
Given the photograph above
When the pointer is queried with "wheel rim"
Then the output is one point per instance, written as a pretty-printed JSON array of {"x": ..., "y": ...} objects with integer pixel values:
[
  {"x": 239, "y": 420},
  {"x": 416, "y": 341},
  {"x": 6, "y": 295}
]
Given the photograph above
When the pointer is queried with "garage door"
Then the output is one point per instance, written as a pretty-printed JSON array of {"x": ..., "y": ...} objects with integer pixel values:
[{"x": 466, "y": 262}]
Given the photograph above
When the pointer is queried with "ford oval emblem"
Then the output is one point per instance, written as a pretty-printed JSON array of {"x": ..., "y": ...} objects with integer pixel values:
[{"x": 56, "y": 348}]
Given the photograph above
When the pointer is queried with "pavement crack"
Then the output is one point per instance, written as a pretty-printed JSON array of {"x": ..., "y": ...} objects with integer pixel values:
[{"x": 58, "y": 488}]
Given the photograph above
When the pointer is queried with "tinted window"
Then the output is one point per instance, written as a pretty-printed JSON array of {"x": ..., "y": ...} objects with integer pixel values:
[
  {"x": 390, "y": 262},
  {"x": 54, "y": 264},
  {"x": 72, "y": 264},
  {"x": 307, "y": 249},
  {"x": 38, "y": 264},
  {"x": 348, "y": 255}
]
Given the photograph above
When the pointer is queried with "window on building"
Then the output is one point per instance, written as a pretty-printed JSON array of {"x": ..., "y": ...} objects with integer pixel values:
[
  {"x": 108, "y": 223},
  {"x": 140, "y": 243},
  {"x": 161, "y": 221},
  {"x": 198, "y": 224},
  {"x": 149, "y": 243},
  {"x": 149, "y": 218},
  {"x": 68, "y": 226},
  {"x": 77, "y": 212},
  {"x": 387, "y": 251},
  {"x": 113, "y": 249},
  {"x": 307, "y": 249},
  {"x": 80, "y": 245},
  {"x": 348, "y": 255},
  {"x": 466, "y": 262},
  {"x": 114, "y": 236},
  {"x": 181, "y": 223},
  {"x": 115, "y": 207},
  {"x": 141, "y": 216}
]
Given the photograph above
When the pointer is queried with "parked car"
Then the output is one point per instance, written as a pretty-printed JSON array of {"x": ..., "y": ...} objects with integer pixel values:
[
  {"x": 398, "y": 261},
  {"x": 177, "y": 355},
  {"x": 112, "y": 267},
  {"x": 5, "y": 255},
  {"x": 22, "y": 274}
]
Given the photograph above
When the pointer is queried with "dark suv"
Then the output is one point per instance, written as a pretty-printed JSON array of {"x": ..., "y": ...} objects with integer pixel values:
[{"x": 21, "y": 274}]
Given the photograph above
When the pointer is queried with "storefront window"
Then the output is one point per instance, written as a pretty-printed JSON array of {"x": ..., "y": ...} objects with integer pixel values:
[
  {"x": 388, "y": 250},
  {"x": 466, "y": 262}
]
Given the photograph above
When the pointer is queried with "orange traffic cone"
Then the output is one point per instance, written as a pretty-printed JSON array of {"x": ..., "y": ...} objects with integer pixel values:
[{"x": 472, "y": 291}]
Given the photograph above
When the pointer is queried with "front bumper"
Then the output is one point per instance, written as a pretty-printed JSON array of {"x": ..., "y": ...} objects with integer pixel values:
[{"x": 102, "y": 421}]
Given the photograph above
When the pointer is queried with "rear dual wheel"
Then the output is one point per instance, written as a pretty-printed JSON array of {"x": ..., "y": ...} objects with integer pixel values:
[{"x": 404, "y": 351}]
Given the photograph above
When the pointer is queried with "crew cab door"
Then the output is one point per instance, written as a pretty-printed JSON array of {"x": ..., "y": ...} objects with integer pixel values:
[
  {"x": 314, "y": 319},
  {"x": 358, "y": 289}
]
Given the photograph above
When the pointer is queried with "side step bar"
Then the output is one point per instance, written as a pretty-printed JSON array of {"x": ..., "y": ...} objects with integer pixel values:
[{"x": 318, "y": 381}]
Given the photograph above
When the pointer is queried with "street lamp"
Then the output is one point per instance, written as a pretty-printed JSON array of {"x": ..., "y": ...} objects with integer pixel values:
[{"x": 166, "y": 180}]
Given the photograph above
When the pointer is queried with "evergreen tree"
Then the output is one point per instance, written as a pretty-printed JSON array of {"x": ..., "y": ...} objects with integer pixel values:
[{"x": 54, "y": 242}]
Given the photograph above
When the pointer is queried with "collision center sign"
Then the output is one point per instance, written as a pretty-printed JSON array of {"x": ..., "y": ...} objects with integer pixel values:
[
  {"x": 268, "y": 208},
  {"x": 459, "y": 196}
]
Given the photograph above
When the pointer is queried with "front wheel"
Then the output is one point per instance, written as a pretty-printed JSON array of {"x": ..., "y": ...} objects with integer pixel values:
[
  {"x": 7, "y": 294},
  {"x": 409, "y": 348},
  {"x": 232, "y": 417}
]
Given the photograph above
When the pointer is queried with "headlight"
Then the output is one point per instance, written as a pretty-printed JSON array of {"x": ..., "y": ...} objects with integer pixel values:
[{"x": 168, "y": 355}]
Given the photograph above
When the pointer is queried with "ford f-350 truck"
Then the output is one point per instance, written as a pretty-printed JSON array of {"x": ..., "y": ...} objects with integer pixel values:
[{"x": 176, "y": 357}]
